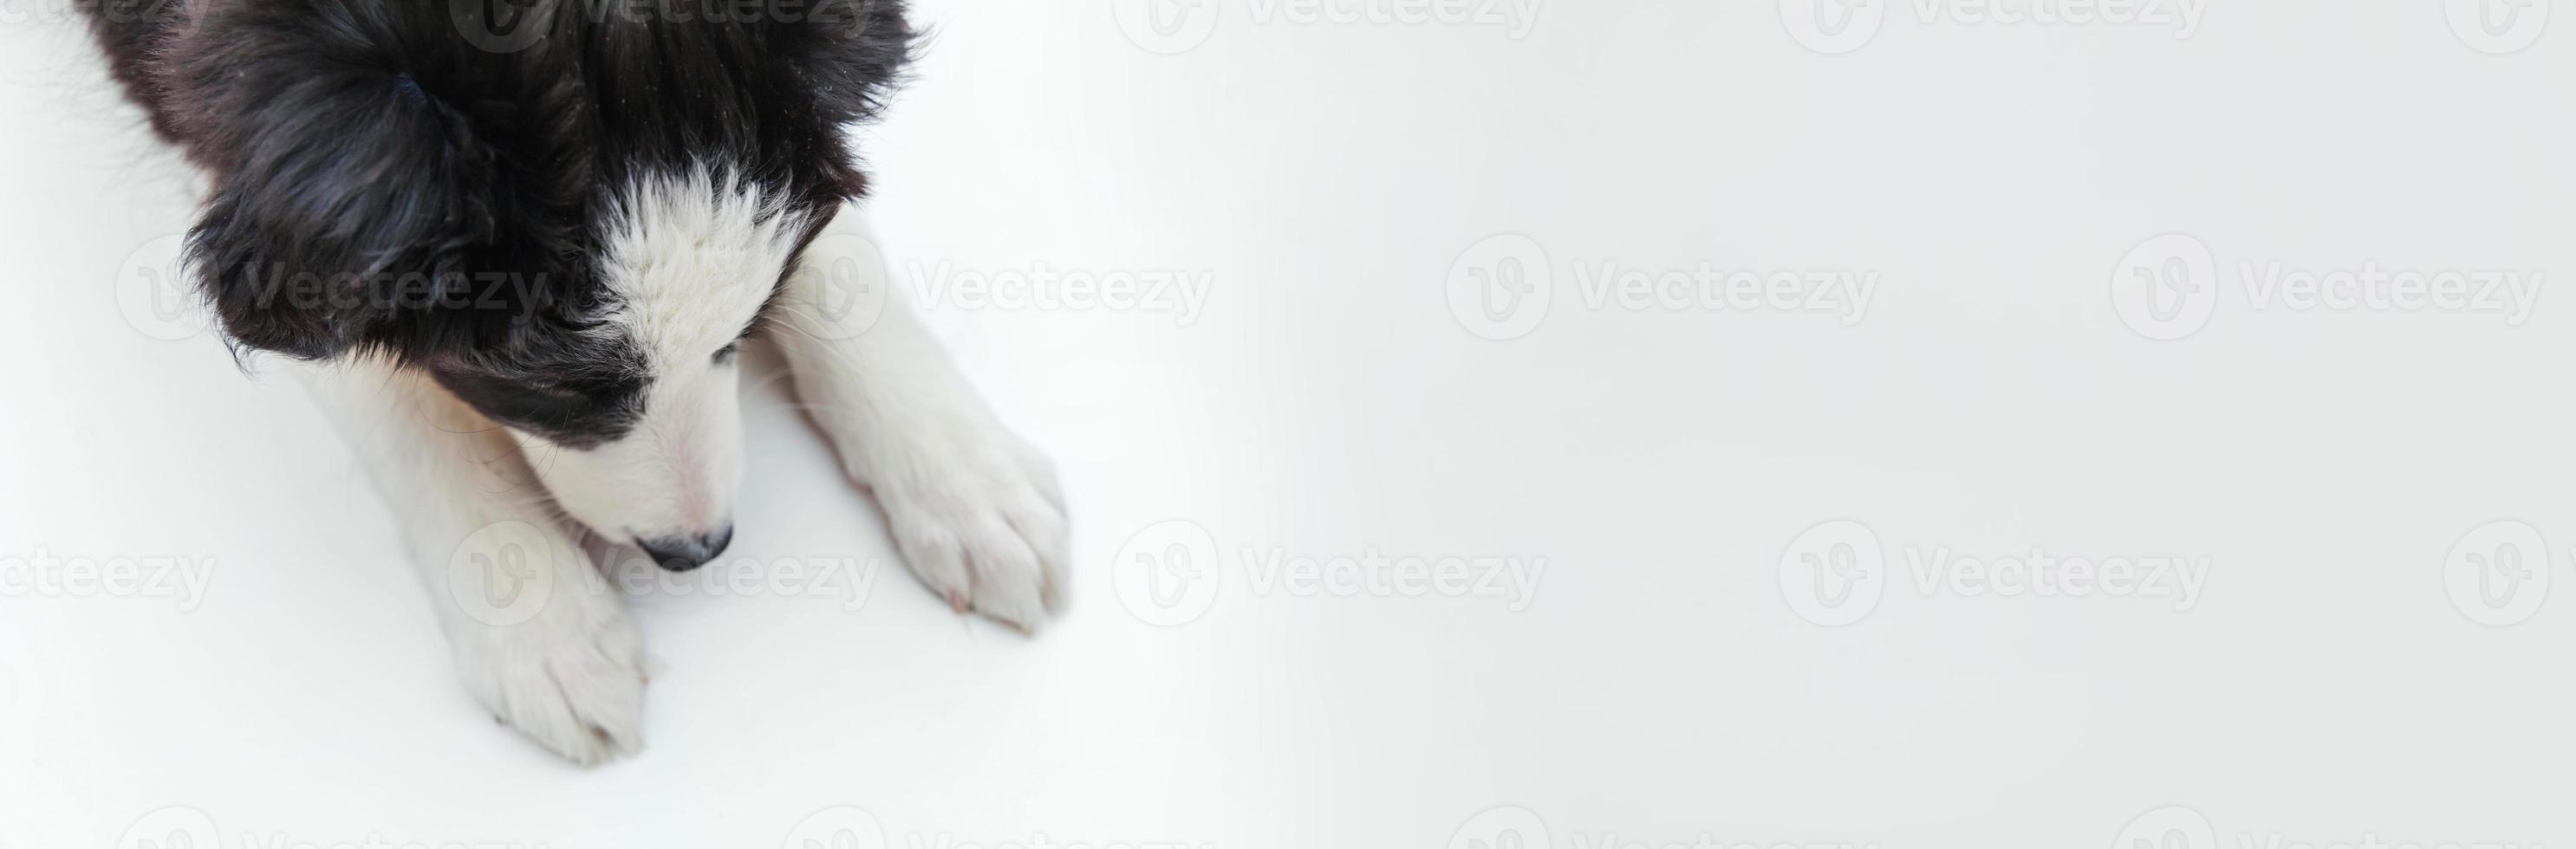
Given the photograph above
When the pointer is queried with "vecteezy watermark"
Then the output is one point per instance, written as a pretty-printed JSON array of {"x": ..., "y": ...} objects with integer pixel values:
[
  {"x": 182, "y": 827},
  {"x": 1040, "y": 840},
  {"x": 1180, "y": 294},
  {"x": 1841, "y": 26},
  {"x": 1166, "y": 26},
  {"x": 1177, "y": 26},
  {"x": 847, "y": 827},
  {"x": 842, "y": 286},
  {"x": 2169, "y": 286},
  {"x": 1513, "y": 827},
  {"x": 344, "y": 291},
  {"x": 1835, "y": 573},
  {"x": 504, "y": 573},
  {"x": 1502, "y": 287},
  {"x": 159, "y": 297},
  {"x": 48, "y": 12},
  {"x": 2182, "y": 827},
  {"x": 509, "y": 26},
  {"x": 44, "y": 575},
  {"x": 154, "y": 293},
  {"x": 15, "y": 13},
  {"x": 2498, "y": 573},
  {"x": 1506, "y": 827},
  {"x": 2497, "y": 27},
  {"x": 836, "y": 828},
  {"x": 1171, "y": 573},
  {"x": 846, "y": 581}
]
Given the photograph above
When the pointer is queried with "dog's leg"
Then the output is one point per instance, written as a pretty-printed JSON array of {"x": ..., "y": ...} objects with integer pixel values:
[
  {"x": 975, "y": 510},
  {"x": 538, "y": 635}
]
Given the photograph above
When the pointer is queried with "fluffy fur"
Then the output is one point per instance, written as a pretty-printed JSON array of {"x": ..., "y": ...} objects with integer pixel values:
[{"x": 531, "y": 260}]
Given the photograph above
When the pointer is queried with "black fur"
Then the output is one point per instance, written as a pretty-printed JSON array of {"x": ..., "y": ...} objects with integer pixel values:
[{"x": 386, "y": 182}]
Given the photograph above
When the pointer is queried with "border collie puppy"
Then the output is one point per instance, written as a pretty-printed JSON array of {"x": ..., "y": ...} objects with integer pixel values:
[{"x": 519, "y": 243}]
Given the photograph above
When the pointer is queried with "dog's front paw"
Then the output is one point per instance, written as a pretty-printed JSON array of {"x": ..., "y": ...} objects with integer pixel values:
[
  {"x": 570, "y": 677},
  {"x": 981, "y": 520}
]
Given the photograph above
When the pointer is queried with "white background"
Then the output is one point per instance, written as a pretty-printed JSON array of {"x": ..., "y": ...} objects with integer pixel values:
[{"x": 1329, "y": 178}]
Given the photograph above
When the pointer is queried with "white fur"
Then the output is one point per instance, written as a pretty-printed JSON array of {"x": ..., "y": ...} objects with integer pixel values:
[
  {"x": 567, "y": 669},
  {"x": 691, "y": 259},
  {"x": 975, "y": 510}
]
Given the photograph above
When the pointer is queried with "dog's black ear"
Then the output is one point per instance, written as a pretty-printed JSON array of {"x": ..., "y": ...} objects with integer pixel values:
[
  {"x": 345, "y": 188},
  {"x": 855, "y": 54},
  {"x": 864, "y": 47}
]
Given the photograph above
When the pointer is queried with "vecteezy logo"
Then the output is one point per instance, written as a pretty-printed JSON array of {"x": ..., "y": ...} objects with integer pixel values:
[
  {"x": 848, "y": 280},
  {"x": 1505, "y": 827},
  {"x": 1833, "y": 27},
  {"x": 174, "y": 827},
  {"x": 1501, "y": 287},
  {"x": 153, "y": 292},
  {"x": 503, "y": 573},
  {"x": 836, "y": 828},
  {"x": 2498, "y": 573},
  {"x": 2174, "y": 827},
  {"x": 500, "y": 26},
  {"x": 2167, "y": 287},
  {"x": 1167, "y": 574},
  {"x": 1833, "y": 574},
  {"x": 1167, "y": 26},
  {"x": 2497, "y": 27}
]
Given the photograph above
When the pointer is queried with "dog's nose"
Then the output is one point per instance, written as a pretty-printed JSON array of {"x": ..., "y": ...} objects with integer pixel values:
[{"x": 681, "y": 554}]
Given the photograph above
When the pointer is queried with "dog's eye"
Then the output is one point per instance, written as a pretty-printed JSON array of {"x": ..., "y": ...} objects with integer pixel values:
[{"x": 726, "y": 354}]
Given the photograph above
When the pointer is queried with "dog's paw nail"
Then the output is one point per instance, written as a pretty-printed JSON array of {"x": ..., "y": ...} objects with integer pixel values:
[
  {"x": 570, "y": 679},
  {"x": 989, "y": 536}
]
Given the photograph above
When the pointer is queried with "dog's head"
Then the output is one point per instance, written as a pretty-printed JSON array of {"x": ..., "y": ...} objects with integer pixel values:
[{"x": 572, "y": 232}]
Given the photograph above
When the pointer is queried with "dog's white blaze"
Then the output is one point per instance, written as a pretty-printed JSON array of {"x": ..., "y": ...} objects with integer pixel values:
[{"x": 691, "y": 260}]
